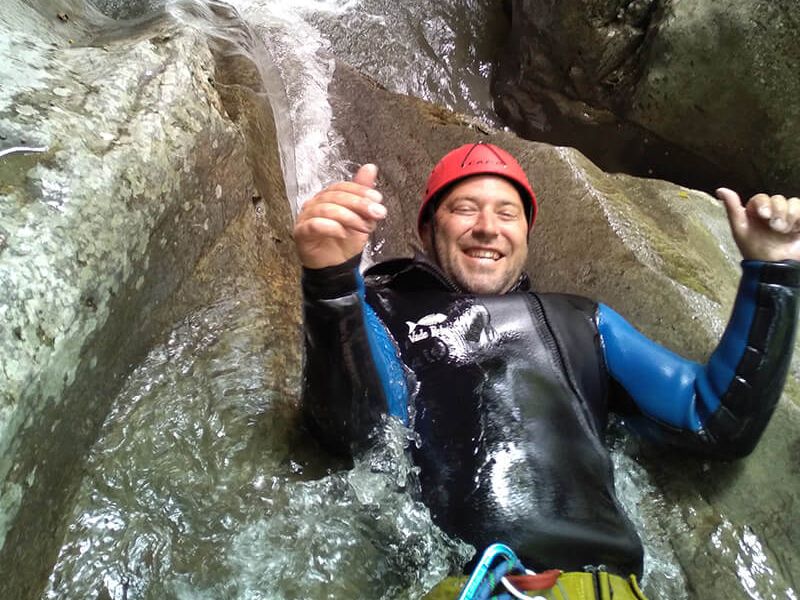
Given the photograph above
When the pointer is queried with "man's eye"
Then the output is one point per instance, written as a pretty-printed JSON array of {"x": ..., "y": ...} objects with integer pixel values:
[
  {"x": 508, "y": 215},
  {"x": 464, "y": 209}
]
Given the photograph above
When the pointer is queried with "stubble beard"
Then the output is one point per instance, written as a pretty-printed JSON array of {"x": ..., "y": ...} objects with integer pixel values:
[{"x": 471, "y": 282}]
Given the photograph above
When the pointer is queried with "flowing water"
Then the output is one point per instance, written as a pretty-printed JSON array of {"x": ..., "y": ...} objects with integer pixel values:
[{"x": 201, "y": 484}]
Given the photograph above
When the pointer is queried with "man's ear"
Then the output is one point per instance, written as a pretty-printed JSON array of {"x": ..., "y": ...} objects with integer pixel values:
[{"x": 426, "y": 237}]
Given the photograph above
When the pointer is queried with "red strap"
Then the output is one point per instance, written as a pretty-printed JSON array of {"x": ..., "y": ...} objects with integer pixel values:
[{"x": 532, "y": 583}]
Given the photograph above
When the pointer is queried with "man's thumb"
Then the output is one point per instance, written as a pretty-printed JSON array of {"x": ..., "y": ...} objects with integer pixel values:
[
  {"x": 729, "y": 197},
  {"x": 366, "y": 175},
  {"x": 733, "y": 205}
]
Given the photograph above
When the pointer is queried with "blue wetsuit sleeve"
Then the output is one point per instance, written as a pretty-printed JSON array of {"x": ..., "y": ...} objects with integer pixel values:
[
  {"x": 720, "y": 408},
  {"x": 385, "y": 356},
  {"x": 352, "y": 374}
]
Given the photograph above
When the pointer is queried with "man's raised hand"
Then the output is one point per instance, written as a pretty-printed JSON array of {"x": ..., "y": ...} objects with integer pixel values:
[
  {"x": 334, "y": 225},
  {"x": 767, "y": 228}
]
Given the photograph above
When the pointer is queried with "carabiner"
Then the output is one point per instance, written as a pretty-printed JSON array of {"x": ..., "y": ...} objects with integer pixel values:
[{"x": 484, "y": 564}]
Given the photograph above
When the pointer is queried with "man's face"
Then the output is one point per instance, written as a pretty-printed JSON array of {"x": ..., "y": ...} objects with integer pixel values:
[{"x": 479, "y": 235}]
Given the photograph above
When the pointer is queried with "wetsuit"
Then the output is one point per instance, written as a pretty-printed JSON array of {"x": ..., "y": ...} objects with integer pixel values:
[{"x": 510, "y": 396}]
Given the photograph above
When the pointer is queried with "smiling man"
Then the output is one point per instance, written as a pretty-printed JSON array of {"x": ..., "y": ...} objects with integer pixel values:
[
  {"x": 480, "y": 234},
  {"x": 512, "y": 388}
]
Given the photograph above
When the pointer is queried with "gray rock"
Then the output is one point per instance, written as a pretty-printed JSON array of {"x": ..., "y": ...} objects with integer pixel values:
[
  {"x": 694, "y": 91},
  {"x": 144, "y": 130}
]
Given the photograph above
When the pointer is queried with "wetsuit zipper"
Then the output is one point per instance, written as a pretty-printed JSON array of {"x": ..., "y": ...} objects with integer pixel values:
[
  {"x": 550, "y": 341},
  {"x": 447, "y": 281}
]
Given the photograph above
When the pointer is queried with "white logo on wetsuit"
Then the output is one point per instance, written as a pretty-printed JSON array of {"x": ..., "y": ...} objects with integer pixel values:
[{"x": 455, "y": 335}]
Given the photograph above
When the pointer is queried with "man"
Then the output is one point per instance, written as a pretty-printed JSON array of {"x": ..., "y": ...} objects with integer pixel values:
[{"x": 512, "y": 389}]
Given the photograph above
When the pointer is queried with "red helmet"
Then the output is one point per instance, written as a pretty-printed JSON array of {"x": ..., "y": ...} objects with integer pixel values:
[{"x": 477, "y": 159}]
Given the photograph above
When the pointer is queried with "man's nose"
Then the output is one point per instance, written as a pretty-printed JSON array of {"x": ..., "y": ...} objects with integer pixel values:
[{"x": 485, "y": 224}]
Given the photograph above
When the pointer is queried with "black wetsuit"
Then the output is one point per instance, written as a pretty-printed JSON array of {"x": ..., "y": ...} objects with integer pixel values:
[{"x": 511, "y": 395}]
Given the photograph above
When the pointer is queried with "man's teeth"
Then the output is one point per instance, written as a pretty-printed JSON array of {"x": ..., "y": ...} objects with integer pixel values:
[{"x": 483, "y": 254}]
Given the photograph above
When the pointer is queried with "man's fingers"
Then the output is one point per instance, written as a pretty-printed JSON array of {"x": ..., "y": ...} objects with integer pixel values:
[
  {"x": 320, "y": 228},
  {"x": 786, "y": 214},
  {"x": 730, "y": 198},
  {"x": 366, "y": 175},
  {"x": 781, "y": 213},
  {"x": 793, "y": 214},
  {"x": 769, "y": 228},
  {"x": 358, "y": 219},
  {"x": 367, "y": 206},
  {"x": 334, "y": 225},
  {"x": 357, "y": 216},
  {"x": 771, "y": 210},
  {"x": 356, "y": 197},
  {"x": 350, "y": 187},
  {"x": 778, "y": 208},
  {"x": 760, "y": 205}
]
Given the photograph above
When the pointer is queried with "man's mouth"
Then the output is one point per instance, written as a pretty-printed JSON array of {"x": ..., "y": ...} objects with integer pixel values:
[{"x": 483, "y": 253}]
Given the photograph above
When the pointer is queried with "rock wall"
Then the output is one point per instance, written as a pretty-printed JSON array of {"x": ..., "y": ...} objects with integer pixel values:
[
  {"x": 144, "y": 161},
  {"x": 700, "y": 92}
]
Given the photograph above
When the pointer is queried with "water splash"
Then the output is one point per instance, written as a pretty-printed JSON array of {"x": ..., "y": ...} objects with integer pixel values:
[
  {"x": 202, "y": 485},
  {"x": 663, "y": 577},
  {"x": 750, "y": 561},
  {"x": 440, "y": 52}
]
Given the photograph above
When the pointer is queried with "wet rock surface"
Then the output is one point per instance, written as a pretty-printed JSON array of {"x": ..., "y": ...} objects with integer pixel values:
[
  {"x": 142, "y": 169},
  {"x": 703, "y": 93}
]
